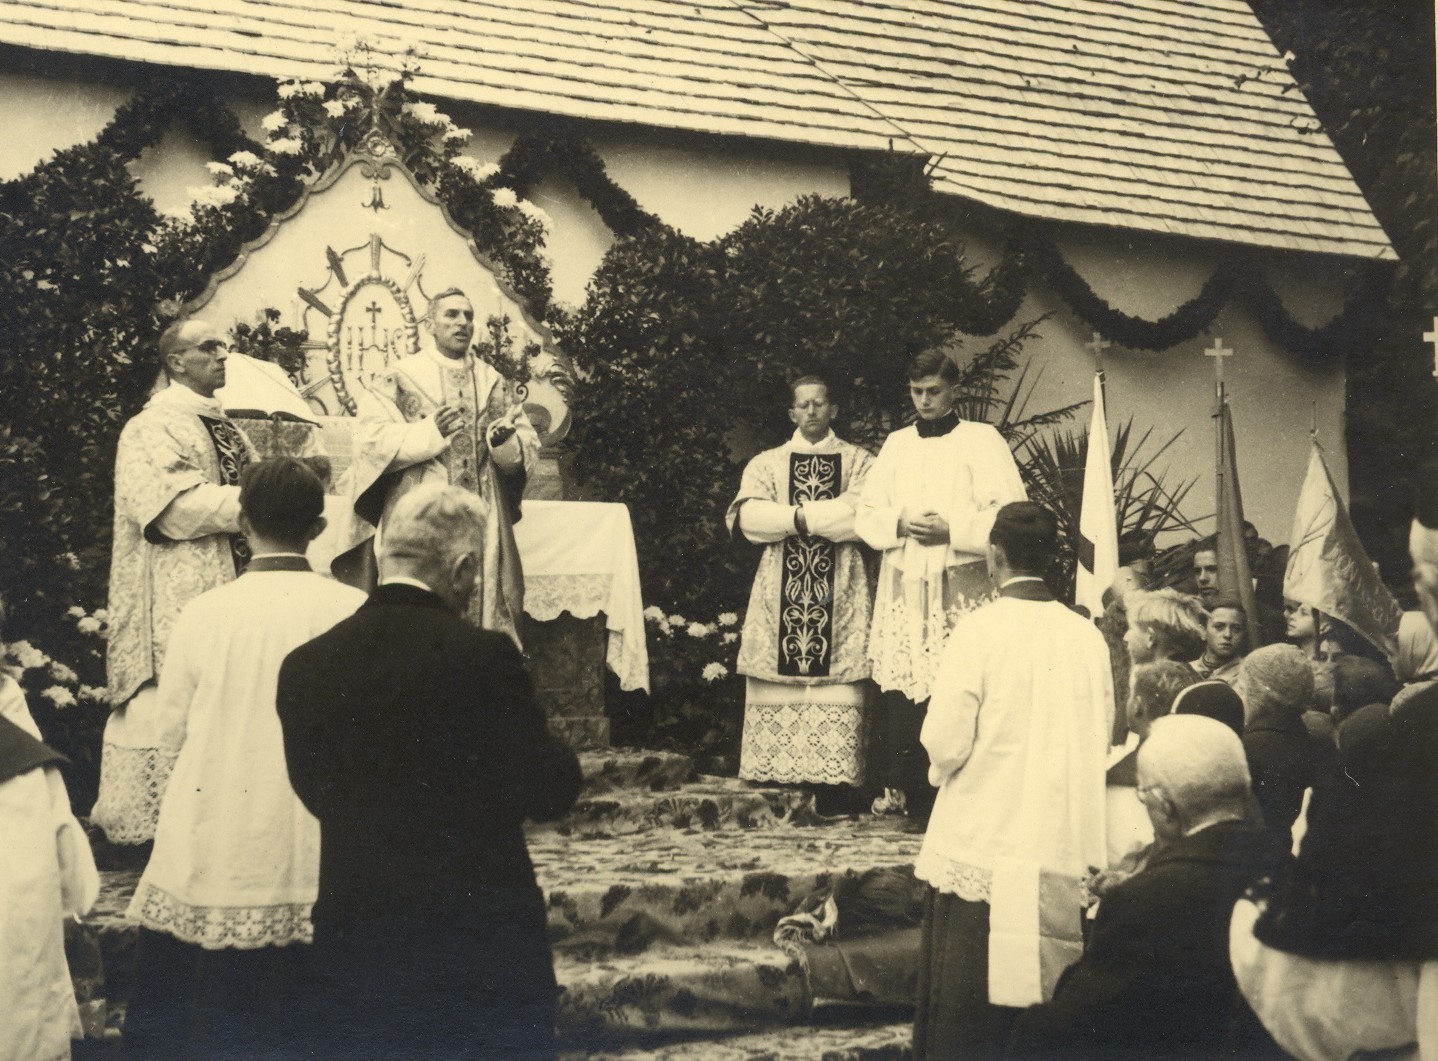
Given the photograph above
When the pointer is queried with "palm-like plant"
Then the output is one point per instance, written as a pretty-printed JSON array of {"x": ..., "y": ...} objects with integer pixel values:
[{"x": 1052, "y": 466}]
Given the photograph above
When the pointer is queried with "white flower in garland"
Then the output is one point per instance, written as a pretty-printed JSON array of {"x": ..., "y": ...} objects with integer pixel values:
[
  {"x": 535, "y": 213},
  {"x": 427, "y": 113},
  {"x": 27, "y": 655},
  {"x": 215, "y": 194},
  {"x": 455, "y": 135},
  {"x": 98, "y": 693},
  {"x": 88, "y": 625},
  {"x": 677, "y": 620},
  {"x": 479, "y": 171},
  {"x": 713, "y": 672},
  {"x": 654, "y": 613},
  {"x": 63, "y": 674},
  {"x": 220, "y": 169},
  {"x": 103, "y": 614},
  {"x": 286, "y": 145},
  {"x": 730, "y": 637},
  {"x": 75, "y": 611},
  {"x": 505, "y": 197},
  {"x": 312, "y": 88},
  {"x": 275, "y": 120},
  {"x": 728, "y": 619},
  {"x": 334, "y": 108},
  {"x": 245, "y": 160},
  {"x": 59, "y": 696},
  {"x": 288, "y": 89},
  {"x": 698, "y": 630}
]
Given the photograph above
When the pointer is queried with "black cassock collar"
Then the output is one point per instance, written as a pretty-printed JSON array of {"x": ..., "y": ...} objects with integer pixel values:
[{"x": 935, "y": 428}]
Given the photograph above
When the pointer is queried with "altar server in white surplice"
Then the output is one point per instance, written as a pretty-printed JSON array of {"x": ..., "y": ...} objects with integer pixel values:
[
  {"x": 1017, "y": 732},
  {"x": 445, "y": 416},
  {"x": 228, "y": 889},
  {"x": 176, "y": 535},
  {"x": 927, "y": 505},
  {"x": 805, "y": 633}
]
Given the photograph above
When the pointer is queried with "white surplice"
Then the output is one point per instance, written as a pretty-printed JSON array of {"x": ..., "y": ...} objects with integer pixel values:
[
  {"x": 236, "y": 858},
  {"x": 1017, "y": 734},
  {"x": 966, "y": 476}
]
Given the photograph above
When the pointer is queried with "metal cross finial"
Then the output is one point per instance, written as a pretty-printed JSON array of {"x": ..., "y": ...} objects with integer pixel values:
[
  {"x": 1098, "y": 345},
  {"x": 1218, "y": 352},
  {"x": 1432, "y": 337}
]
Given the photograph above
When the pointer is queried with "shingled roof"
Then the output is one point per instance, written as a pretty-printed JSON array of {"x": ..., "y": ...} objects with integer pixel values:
[{"x": 1170, "y": 116}]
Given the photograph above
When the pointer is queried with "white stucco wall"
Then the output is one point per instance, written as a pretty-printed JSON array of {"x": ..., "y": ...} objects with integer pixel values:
[{"x": 706, "y": 188}]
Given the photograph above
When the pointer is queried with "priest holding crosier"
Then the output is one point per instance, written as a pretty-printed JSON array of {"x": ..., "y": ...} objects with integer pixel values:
[
  {"x": 443, "y": 415},
  {"x": 805, "y": 633}
]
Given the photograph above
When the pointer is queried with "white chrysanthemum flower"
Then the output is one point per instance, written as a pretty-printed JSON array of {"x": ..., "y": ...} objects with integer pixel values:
[
  {"x": 654, "y": 614},
  {"x": 335, "y": 108},
  {"x": 220, "y": 169},
  {"x": 59, "y": 696},
  {"x": 505, "y": 197},
  {"x": 288, "y": 89},
  {"x": 730, "y": 637},
  {"x": 728, "y": 619},
  {"x": 455, "y": 135},
  {"x": 245, "y": 159},
  {"x": 312, "y": 88},
  {"x": 425, "y": 112},
  {"x": 103, "y": 614},
  {"x": 215, "y": 195},
  {"x": 698, "y": 630},
  {"x": 713, "y": 672},
  {"x": 677, "y": 620},
  {"x": 286, "y": 145},
  {"x": 535, "y": 213},
  {"x": 63, "y": 674},
  {"x": 88, "y": 625},
  {"x": 27, "y": 655},
  {"x": 274, "y": 121},
  {"x": 74, "y": 611},
  {"x": 98, "y": 693}
]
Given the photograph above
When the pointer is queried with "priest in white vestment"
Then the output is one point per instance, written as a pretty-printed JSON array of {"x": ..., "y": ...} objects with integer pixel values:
[
  {"x": 176, "y": 535},
  {"x": 927, "y": 506},
  {"x": 803, "y": 651},
  {"x": 1017, "y": 733},
  {"x": 443, "y": 415},
  {"x": 235, "y": 866}
]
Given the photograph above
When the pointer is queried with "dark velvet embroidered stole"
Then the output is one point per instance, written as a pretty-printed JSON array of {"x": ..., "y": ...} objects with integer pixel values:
[
  {"x": 806, "y": 590},
  {"x": 233, "y": 455}
]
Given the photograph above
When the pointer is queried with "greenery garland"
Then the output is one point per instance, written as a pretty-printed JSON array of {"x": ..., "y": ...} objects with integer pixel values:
[{"x": 532, "y": 158}]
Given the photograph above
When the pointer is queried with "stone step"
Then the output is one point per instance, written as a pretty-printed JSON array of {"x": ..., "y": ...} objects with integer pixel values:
[
  {"x": 719, "y": 989},
  {"x": 706, "y": 803},
  {"x": 830, "y": 1034},
  {"x": 623, "y": 894},
  {"x": 614, "y": 769}
]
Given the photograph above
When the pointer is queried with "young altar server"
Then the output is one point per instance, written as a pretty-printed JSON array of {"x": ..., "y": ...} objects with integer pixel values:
[
  {"x": 807, "y": 628},
  {"x": 225, "y": 900},
  {"x": 927, "y": 505}
]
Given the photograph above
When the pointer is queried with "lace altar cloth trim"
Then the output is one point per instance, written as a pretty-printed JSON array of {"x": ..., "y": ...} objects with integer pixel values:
[
  {"x": 132, "y": 786},
  {"x": 816, "y": 742},
  {"x": 217, "y": 927},
  {"x": 968, "y": 882},
  {"x": 585, "y": 596}
]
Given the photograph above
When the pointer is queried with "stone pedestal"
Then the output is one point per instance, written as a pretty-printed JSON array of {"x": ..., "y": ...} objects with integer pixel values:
[{"x": 566, "y": 661}]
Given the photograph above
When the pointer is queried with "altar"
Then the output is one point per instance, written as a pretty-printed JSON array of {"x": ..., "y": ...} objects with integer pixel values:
[{"x": 584, "y": 611}]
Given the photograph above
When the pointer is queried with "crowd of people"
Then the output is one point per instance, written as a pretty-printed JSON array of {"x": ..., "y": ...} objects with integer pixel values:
[{"x": 1144, "y": 837}]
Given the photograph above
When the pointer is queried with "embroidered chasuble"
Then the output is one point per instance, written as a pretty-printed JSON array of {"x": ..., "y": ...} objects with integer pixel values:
[
  {"x": 965, "y": 472},
  {"x": 176, "y": 535},
  {"x": 804, "y": 637},
  {"x": 397, "y": 447}
]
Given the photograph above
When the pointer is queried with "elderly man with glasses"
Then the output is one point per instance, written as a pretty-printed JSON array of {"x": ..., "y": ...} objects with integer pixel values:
[{"x": 177, "y": 534}]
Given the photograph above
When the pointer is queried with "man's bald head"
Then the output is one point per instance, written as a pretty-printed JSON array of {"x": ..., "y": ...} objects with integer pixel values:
[{"x": 1192, "y": 772}]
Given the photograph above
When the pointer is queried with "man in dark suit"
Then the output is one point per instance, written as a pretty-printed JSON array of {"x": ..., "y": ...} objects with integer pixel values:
[
  {"x": 414, "y": 738},
  {"x": 1155, "y": 979}
]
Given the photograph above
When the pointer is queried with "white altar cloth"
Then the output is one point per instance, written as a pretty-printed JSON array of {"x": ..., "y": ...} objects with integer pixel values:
[{"x": 579, "y": 557}]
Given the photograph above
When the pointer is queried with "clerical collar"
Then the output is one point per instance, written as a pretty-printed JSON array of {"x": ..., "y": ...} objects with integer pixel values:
[
  {"x": 1020, "y": 578},
  {"x": 404, "y": 580},
  {"x": 278, "y": 562},
  {"x": 940, "y": 426},
  {"x": 431, "y": 348}
]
